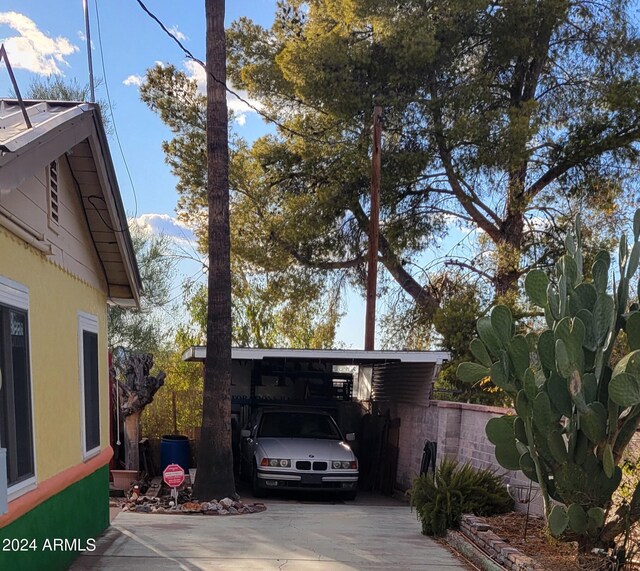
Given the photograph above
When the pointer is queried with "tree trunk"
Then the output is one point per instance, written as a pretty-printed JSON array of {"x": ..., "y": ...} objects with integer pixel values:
[
  {"x": 131, "y": 440},
  {"x": 215, "y": 461},
  {"x": 509, "y": 252}
]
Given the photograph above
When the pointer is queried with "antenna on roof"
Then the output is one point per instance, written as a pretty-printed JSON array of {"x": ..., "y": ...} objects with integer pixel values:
[
  {"x": 23, "y": 107},
  {"x": 85, "y": 5}
]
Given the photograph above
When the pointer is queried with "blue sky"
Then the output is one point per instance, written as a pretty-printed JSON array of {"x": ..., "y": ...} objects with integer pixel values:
[{"x": 41, "y": 41}]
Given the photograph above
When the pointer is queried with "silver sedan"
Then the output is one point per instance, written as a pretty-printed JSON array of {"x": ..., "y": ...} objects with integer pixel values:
[{"x": 298, "y": 449}]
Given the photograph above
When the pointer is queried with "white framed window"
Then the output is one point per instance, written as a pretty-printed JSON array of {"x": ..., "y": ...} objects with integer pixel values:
[
  {"x": 16, "y": 394},
  {"x": 89, "y": 383}
]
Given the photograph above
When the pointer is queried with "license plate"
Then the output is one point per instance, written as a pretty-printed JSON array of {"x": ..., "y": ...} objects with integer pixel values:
[{"x": 311, "y": 479}]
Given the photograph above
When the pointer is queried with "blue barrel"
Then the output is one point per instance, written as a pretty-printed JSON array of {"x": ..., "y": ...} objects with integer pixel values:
[{"x": 174, "y": 449}]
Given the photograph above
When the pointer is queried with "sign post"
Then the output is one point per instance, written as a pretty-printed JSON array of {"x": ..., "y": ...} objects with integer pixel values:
[{"x": 173, "y": 476}]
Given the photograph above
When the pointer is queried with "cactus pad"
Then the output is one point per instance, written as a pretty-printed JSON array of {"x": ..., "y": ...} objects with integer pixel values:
[
  {"x": 624, "y": 389},
  {"x": 535, "y": 284},
  {"x": 558, "y": 520}
]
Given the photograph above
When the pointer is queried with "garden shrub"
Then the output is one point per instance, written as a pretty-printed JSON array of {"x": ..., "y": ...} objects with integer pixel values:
[{"x": 454, "y": 489}]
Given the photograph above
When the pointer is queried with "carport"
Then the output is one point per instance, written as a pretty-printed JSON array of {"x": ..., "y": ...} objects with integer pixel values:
[{"x": 352, "y": 384}]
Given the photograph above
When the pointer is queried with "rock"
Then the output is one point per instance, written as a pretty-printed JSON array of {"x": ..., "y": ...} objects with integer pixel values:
[
  {"x": 205, "y": 506},
  {"x": 250, "y": 509},
  {"x": 134, "y": 497},
  {"x": 144, "y": 509},
  {"x": 233, "y": 511},
  {"x": 226, "y": 503},
  {"x": 160, "y": 510},
  {"x": 223, "y": 512}
]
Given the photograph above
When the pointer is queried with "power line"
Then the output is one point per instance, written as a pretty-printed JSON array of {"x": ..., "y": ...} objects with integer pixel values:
[
  {"x": 259, "y": 111},
  {"x": 113, "y": 119}
]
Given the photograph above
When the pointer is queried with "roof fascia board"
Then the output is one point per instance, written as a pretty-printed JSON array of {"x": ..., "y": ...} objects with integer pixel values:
[
  {"x": 113, "y": 200},
  {"x": 356, "y": 355}
]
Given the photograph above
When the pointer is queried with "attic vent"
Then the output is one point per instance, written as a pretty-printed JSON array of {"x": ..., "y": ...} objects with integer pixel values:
[{"x": 54, "y": 214}]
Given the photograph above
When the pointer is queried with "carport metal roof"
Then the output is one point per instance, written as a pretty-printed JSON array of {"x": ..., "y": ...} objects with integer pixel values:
[{"x": 334, "y": 356}]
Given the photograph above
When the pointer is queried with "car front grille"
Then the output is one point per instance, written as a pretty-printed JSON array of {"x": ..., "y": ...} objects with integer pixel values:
[{"x": 306, "y": 465}]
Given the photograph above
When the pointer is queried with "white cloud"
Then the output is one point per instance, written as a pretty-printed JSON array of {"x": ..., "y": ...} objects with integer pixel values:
[
  {"x": 178, "y": 34},
  {"x": 241, "y": 119},
  {"x": 32, "y": 49},
  {"x": 162, "y": 224},
  {"x": 133, "y": 80},
  {"x": 195, "y": 71}
]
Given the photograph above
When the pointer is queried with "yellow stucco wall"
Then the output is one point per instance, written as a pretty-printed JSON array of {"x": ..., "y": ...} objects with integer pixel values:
[{"x": 55, "y": 297}]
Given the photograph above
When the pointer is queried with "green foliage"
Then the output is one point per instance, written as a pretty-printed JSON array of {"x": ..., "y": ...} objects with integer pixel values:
[
  {"x": 57, "y": 88},
  {"x": 496, "y": 138},
  {"x": 286, "y": 310},
  {"x": 455, "y": 321},
  {"x": 147, "y": 329},
  {"x": 177, "y": 407},
  {"x": 440, "y": 499},
  {"x": 273, "y": 303},
  {"x": 576, "y": 411}
]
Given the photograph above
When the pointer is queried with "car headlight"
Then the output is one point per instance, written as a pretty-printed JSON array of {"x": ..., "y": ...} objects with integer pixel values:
[
  {"x": 344, "y": 464},
  {"x": 276, "y": 462}
]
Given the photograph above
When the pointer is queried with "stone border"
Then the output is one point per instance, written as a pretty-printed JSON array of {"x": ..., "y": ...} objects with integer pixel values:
[{"x": 478, "y": 531}]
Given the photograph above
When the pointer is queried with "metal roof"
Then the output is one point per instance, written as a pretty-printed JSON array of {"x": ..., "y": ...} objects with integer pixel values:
[
  {"x": 335, "y": 356},
  {"x": 74, "y": 130}
]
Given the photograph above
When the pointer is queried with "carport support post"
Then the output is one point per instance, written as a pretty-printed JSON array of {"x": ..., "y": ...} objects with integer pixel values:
[{"x": 374, "y": 216}]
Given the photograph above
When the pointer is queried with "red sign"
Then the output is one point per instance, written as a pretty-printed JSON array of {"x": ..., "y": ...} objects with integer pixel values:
[{"x": 173, "y": 475}]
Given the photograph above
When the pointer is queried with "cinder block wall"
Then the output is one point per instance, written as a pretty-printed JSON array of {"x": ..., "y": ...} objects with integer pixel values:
[{"x": 458, "y": 428}]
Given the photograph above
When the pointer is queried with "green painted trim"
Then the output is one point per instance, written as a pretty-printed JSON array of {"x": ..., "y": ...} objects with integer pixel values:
[{"x": 80, "y": 512}]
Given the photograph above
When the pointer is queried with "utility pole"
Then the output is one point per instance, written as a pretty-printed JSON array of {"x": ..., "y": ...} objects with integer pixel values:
[{"x": 374, "y": 231}]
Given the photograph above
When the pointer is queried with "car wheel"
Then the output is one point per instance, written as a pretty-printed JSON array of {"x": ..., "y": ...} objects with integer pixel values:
[{"x": 256, "y": 490}]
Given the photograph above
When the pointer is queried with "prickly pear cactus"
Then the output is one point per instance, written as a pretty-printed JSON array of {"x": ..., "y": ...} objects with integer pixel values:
[{"x": 574, "y": 413}]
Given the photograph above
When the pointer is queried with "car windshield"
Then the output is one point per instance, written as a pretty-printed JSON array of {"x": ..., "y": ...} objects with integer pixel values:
[{"x": 298, "y": 425}]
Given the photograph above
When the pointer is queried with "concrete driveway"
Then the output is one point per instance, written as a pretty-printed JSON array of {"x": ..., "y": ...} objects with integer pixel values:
[{"x": 289, "y": 535}]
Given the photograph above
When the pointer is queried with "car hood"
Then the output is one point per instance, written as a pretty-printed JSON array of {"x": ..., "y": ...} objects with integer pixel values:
[{"x": 303, "y": 448}]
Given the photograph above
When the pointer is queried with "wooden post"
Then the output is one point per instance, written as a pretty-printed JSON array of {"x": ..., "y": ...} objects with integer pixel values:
[
  {"x": 131, "y": 440},
  {"x": 374, "y": 216},
  {"x": 175, "y": 412}
]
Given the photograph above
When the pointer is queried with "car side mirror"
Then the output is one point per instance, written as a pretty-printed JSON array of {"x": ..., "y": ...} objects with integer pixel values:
[
  {"x": 244, "y": 433},
  {"x": 351, "y": 436}
]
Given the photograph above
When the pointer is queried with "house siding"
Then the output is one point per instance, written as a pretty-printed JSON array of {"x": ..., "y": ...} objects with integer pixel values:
[
  {"x": 56, "y": 296},
  {"x": 70, "y": 240},
  {"x": 73, "y": 514}
]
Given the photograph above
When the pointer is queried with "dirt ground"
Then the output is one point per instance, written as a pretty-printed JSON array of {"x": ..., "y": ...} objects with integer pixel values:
[{"x": 554, "y": 555}]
